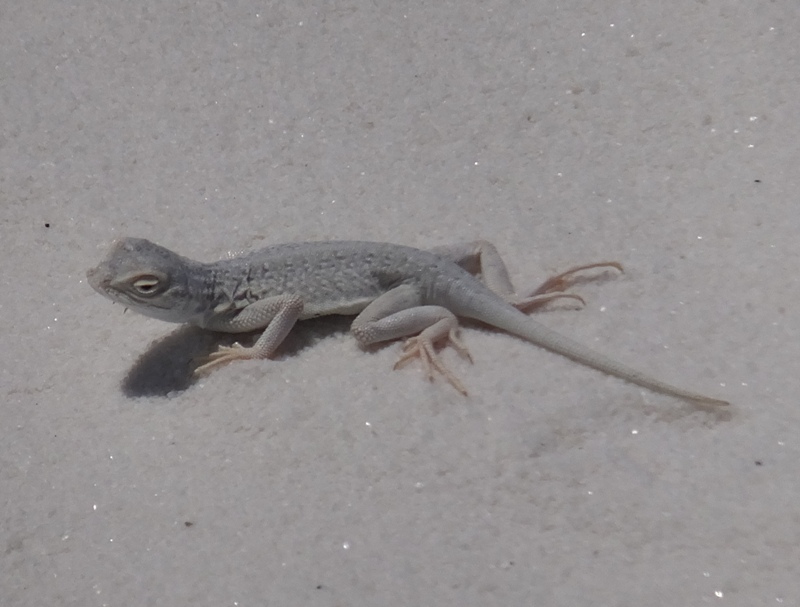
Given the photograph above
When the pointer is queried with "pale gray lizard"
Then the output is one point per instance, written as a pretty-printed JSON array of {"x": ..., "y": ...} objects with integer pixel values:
[{"x": 395, "y": 291}]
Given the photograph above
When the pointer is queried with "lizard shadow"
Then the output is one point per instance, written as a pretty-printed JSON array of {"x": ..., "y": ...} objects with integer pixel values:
[{"x": 168, "y": 365}]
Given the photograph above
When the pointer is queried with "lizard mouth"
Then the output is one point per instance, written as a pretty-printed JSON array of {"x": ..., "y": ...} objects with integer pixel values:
[{"x": 95, "y": 278}]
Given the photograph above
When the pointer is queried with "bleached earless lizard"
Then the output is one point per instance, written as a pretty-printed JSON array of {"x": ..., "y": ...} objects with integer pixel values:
[{"x": 395, "y": 292}]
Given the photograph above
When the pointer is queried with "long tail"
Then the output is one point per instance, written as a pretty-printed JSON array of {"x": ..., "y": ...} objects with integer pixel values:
[{"x": 511, "y": 320}]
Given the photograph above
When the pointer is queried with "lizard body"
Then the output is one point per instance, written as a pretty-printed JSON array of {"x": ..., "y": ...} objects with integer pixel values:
[{"x": 395, "y": 291}]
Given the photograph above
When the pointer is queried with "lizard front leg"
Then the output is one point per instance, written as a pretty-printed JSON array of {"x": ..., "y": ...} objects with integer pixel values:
[
  {"x": 276, "y": 315},
  {"x": 399, "y": 313}
]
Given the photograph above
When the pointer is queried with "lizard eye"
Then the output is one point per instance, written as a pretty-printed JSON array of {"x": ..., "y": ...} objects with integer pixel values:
[{"x": 147, "y": 285}]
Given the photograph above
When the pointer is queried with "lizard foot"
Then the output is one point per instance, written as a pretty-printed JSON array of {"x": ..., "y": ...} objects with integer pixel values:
[
  {"x": 553, "y": 287},
  {"x": 421, "y": 346},
  {"x": 224, "y": 355},
  {"x": 532, "y": 302}
]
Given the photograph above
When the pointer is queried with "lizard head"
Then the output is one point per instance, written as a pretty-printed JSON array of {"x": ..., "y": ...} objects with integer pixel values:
[{"x": 146, "y": 278}]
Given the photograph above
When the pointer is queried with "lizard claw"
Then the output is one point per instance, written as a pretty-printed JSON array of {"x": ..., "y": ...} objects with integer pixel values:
[
  {"x": 534, "y": 301},
  {"x": 553, "y": 287},
  {"x": 561, "y": 281},
  {"x": 421, "y": 346},
  {"x": 224, "y": 355}
]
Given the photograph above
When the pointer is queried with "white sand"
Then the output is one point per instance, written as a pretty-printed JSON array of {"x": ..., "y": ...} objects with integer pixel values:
[{"x": 566, "y": 133}]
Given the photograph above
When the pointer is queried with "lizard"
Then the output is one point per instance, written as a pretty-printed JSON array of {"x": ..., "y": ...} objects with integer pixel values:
[{"x": 394, "y": 292}]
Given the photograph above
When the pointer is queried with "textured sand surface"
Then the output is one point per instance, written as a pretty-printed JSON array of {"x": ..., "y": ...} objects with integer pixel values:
[{"x": 660, "y": 135}]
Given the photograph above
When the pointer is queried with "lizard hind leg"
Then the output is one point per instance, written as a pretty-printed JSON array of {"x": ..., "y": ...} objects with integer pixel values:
[
  {"x": 553, "y": 287},
  {"x": 399, "y": 313},
  {"x": 481, "y": 257}
]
